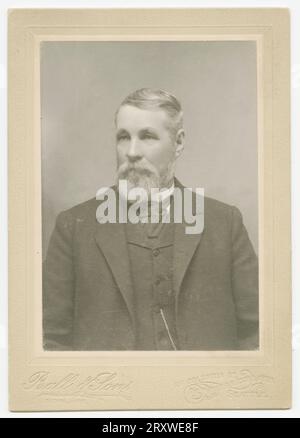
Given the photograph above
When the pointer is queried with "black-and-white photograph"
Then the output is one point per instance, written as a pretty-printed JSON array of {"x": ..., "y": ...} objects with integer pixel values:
[{"x": 149, "y": 195}]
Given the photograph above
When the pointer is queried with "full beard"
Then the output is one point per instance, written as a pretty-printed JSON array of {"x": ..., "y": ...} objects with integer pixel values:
[{"x": 144, "y": 175}]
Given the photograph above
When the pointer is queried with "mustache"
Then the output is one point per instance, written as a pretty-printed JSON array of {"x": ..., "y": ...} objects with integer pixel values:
[{"x": 141, "y": 168}]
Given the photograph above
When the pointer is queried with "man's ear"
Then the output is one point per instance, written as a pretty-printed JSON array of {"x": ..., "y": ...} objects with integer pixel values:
[{"x": 179, "y": 142}]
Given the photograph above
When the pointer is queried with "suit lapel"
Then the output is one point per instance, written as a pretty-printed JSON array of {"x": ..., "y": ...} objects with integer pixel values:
[
  {"x": 111, "y": 241},
  {"x": 184, "y": 249}
]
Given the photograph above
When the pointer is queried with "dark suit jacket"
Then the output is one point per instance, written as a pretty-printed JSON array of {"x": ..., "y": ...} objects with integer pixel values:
[{"x": 88, "y": 299}]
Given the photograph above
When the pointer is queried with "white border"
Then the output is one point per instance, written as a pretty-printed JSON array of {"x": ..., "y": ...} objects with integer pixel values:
[{"x": 294, "y": 6}]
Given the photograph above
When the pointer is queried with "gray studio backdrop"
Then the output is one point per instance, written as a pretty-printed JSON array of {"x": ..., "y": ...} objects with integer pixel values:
[{"x": 82, "y": 83}]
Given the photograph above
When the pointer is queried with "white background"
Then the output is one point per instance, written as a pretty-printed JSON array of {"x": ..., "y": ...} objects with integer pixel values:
[{"x": 294, "y": 6}]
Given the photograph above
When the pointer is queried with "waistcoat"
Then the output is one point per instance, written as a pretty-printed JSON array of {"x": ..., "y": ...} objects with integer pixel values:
[{"x": 150, "y": 248}]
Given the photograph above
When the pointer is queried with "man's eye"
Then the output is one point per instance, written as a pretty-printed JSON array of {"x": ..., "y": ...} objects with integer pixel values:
[
  {"x": 123, "y": 137},
  {"x": 149, "y": 137}
]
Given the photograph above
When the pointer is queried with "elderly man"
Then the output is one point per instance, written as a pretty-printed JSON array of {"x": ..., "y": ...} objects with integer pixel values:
[{"x": 145, "y": 285}]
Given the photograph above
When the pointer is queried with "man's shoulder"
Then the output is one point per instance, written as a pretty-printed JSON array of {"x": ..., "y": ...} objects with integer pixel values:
[
  {"x": 82, "y": 210},
  {"x": 211, "y": 205},
  {"x": 215, "y": 206},
  {"x": 219, "y": 214}
]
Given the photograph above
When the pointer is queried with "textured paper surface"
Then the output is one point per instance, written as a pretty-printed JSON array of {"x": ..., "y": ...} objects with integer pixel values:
[{"x": 41, "y": 381}]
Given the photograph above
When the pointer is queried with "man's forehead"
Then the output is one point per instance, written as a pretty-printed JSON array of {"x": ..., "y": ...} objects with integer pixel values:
[{"x": 132, "y": 117}]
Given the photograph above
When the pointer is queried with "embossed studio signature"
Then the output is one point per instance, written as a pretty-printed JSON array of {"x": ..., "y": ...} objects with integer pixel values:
[
  {"x": 233, "y": 385},
  {"x": 75, "y": 386}
]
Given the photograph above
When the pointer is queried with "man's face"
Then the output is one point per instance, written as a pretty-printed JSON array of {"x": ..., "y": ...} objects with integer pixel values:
[{"x": 146, "y": 150}]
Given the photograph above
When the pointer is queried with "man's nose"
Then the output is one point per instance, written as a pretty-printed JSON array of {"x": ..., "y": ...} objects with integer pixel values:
[{"x": 134, "y": 152}]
